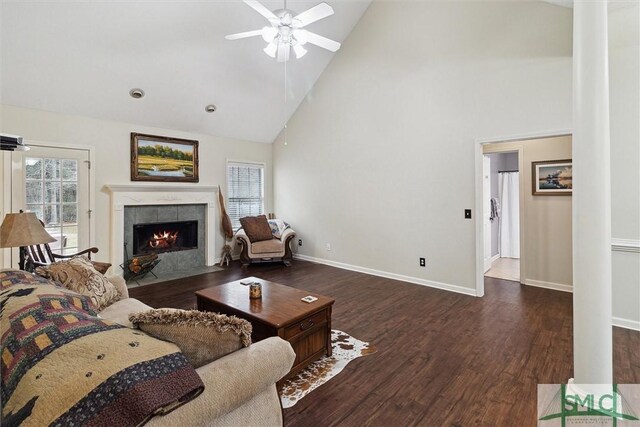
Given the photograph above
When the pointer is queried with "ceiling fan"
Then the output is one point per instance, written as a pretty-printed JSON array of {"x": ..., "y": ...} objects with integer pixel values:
[{"x": 286, "y": 31}]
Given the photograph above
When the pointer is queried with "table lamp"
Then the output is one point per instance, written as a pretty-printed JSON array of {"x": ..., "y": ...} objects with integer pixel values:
[{"x": 21, "y": 230}]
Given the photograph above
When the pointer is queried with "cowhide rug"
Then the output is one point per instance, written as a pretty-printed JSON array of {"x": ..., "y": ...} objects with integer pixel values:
[{"x": 345, "y": 349}]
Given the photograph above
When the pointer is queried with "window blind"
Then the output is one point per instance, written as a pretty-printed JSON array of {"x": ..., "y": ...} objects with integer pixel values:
[{"x": 245, "y": 191}]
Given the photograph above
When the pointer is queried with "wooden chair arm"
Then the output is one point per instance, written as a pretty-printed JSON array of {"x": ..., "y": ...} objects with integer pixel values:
[{"x": 86, "y": 251}]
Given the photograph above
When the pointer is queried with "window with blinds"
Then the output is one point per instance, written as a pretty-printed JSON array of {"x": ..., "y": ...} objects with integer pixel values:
[{"x": 245, "y": 191}]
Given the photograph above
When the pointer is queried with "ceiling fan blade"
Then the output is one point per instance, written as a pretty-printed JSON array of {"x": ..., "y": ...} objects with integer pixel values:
[
  {"x": 283, "y": 52},
  {"x": 243, "y": 35},
  {"x": 262, "y": 10},
  {"x": 314, "y": 14},
  {"x": 323, "y": 42}
]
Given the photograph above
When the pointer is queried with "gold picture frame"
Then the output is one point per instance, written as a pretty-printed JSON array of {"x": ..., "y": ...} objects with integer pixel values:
[{"x": 164, "y": 159}]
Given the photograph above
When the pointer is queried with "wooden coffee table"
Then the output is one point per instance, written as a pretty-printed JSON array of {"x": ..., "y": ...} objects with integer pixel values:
[{"x": 280, "y": 313}]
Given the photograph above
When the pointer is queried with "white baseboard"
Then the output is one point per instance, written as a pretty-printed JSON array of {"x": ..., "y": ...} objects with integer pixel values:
[
  {"x": 385, "y": 274},
  {"x": 616, "y": 321},
  {"x": 626, "y": 323},
  {"x": 548, "y": 285},
  {"x": 494, "y": 258}
]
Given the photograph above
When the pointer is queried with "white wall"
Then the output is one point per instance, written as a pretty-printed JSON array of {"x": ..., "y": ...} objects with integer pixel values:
[
  {"x": 111, "y": 142},
  {"x": 380, "y": 157},
  {"x": 624, "y": 78}
]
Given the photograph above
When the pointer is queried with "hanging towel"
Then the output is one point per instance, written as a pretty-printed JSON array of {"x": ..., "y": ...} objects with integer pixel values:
[{"x": 495, "y": 209}]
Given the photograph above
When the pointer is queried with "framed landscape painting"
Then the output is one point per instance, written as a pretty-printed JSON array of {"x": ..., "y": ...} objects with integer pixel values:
[
  {"x": 161, "y": 158},
  {"x": 552, "y": 178}
]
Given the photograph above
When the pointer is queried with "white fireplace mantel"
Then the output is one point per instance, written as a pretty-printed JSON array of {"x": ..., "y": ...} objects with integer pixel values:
[{"x": 140, "y": 194}]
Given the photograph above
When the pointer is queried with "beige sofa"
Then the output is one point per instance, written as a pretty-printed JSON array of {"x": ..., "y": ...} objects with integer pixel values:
[
  {"x": 267, "y": 250},
  {"x": 240, "y": 388}
]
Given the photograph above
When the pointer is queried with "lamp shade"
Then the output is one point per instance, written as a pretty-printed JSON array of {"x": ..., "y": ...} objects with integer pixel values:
[{"x": 22, "y": 229}]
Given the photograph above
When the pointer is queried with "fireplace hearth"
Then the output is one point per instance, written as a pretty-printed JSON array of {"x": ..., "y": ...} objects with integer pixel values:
[{"x": 159, "y": 237}]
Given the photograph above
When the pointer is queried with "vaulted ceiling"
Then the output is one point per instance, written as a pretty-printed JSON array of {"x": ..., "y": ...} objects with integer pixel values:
[{"x": 82, "y": 58}]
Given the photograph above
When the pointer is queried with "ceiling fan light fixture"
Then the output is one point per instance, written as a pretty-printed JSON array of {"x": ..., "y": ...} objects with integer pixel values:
[
  {"x": 269, "y": 33},
  {"x": 300, "y": 36},
  {"x": 286, "y": 30},
  {"x": 300, "y": 51},
  {"x": 284, "y": 50},
  {"x": 271, "y": 50}
]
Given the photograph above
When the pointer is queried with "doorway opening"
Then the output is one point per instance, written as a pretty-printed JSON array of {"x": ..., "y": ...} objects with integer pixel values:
[
  {"x": 501, "y": 215},
  {"x": 539, "y": 223}
]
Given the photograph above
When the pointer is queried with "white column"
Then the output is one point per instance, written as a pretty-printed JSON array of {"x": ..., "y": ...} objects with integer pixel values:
[{"x": 592, "y": 330}]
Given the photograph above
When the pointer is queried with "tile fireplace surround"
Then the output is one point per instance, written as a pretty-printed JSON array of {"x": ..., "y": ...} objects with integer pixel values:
[
  {"x": 155, "y": 195},
  {"x": 171, "y": 261}
]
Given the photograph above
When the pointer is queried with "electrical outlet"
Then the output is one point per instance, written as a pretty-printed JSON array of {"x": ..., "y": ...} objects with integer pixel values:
[
  {"x": 328, "y": 246},
  {"x": 467, "y": 213},
  {"x": 299, "y": 242},
  {"x": 423, "y": 262}
]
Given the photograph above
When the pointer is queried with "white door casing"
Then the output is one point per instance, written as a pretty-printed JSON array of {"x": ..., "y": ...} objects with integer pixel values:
[
  {"x": 63, "y": 191},
  {"x": 486, "y": 209}
]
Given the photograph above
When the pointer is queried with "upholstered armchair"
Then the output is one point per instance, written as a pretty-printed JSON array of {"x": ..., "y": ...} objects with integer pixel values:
[{"x": 276, "y": 249}]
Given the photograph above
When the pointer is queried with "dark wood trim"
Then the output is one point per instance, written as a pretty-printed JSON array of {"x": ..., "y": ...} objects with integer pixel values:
[
  {"x": 534, "y": 187},
  {"x": 288, "y": 255},
  {"x": 86, "y": 252},
  {"x": 244, "y": 254},
  {"x": 134, "y": 158}
]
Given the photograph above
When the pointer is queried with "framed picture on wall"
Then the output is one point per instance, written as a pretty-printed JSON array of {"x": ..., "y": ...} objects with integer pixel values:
[
  {"x": 552, "y": 178},
  {"x": 161, "y": 158}
]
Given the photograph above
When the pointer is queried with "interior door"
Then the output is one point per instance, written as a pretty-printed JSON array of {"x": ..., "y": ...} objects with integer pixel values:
[
  {"x": 54, "y": 184},
  {"x": 486, "y": 210}
]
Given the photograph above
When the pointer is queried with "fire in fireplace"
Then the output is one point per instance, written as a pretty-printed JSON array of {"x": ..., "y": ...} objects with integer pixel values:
[
  {"x": 161, "y": 237},
  {"x": 164, "y": 239}
]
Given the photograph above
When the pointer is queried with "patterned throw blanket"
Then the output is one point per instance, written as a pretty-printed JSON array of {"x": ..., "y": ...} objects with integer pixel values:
[{"x": 62, "y": 365}]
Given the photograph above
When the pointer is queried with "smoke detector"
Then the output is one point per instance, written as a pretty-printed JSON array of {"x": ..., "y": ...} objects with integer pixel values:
[{"x": 136, "y": 93}]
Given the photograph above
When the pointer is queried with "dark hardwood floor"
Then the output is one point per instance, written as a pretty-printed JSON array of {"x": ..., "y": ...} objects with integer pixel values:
[{"x": 443, "y": 358}]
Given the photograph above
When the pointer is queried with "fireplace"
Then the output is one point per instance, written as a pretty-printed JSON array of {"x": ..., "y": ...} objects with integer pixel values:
[{"x": 159, "y": 237}]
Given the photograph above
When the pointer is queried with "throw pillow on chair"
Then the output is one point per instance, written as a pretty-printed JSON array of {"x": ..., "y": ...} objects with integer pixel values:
[{"x": 257, "y": 228}]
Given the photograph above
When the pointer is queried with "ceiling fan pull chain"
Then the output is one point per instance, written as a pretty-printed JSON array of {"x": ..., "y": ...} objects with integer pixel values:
[{"x": 286, "y": 122}]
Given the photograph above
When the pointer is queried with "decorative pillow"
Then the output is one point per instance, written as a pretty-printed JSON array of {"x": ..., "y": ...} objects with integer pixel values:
[
  {"x": 202, "y": 336},
  {"x": 63, "y": 366},
  {"x": 257, "y": 228},
  {"x": 79, "y": 275},
  {"x": 101, "y": 267},
  {"x": 277, "y": 227}
]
